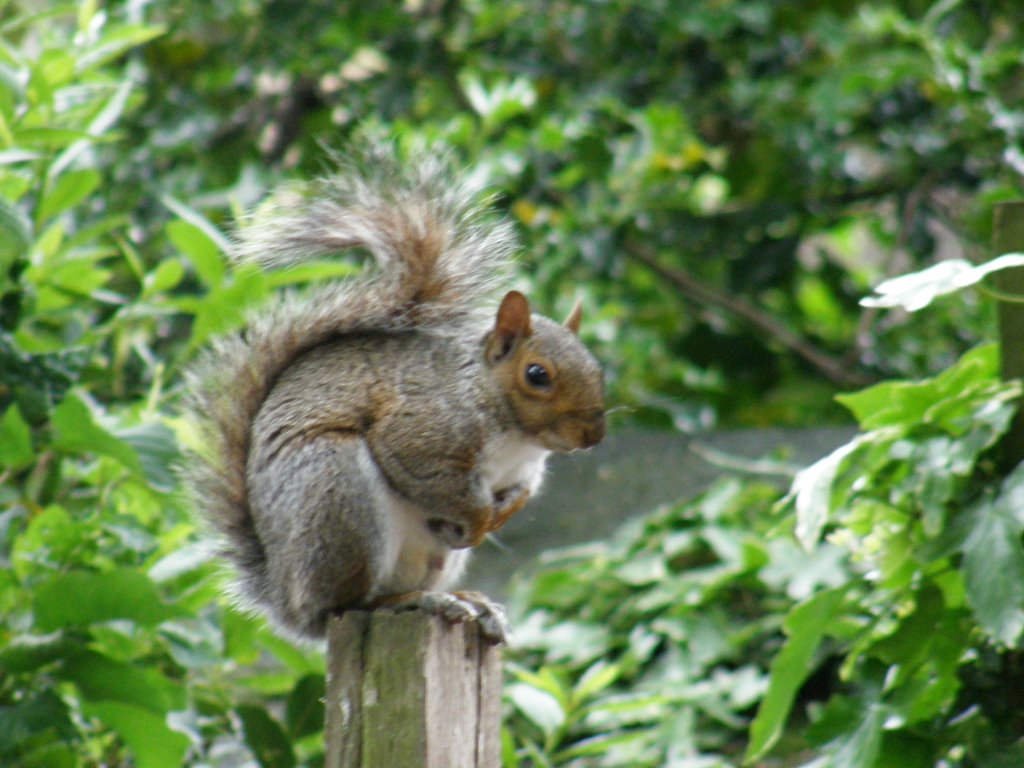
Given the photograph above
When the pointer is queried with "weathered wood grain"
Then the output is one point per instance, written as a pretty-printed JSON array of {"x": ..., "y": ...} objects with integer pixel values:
[{"x": 406, "y": 688}]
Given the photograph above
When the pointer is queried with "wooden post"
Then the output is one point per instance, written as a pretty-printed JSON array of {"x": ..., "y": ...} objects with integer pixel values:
[
  {"x": 1008, "y": 237},
  {"x": 406, "y": 688}
]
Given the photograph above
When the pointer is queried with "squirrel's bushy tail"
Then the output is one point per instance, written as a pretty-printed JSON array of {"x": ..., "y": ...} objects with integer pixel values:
[{"x": 436, "y": 261}]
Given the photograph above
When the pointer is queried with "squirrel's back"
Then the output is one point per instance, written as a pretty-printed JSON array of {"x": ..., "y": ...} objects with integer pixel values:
[{"x": 435, "y": 263}]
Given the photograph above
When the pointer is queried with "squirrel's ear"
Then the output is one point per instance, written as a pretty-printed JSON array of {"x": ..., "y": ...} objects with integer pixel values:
[
  {"x": 512, "y": 322},
  {"x": 572, "y": 322}
]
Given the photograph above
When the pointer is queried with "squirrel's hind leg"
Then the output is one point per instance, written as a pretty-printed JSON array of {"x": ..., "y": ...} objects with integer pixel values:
[{"x": 319, "y": 506}]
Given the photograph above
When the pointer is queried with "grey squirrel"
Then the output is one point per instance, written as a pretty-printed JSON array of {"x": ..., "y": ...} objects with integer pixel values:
[{"x": 356, "y": 441}]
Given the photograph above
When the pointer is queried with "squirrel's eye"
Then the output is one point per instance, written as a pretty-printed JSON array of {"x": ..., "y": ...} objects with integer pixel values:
[{"x": 537, "y": 375}]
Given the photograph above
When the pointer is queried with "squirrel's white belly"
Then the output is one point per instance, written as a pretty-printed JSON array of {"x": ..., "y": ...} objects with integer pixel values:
[
  {"x": 509, "y": 459},
  {"x": 414, "y": 559}
]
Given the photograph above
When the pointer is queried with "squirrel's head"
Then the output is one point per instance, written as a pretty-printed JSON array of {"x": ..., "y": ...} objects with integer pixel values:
[{"x": 553, "y": 384}]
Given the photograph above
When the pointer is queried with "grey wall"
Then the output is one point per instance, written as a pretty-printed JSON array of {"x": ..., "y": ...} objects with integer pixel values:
[{"x": 588, "y": 495}]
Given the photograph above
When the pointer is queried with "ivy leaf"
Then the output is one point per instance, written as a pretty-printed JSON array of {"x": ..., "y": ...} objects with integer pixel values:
[
  {"x": 811, "y": 491},
  {"x": 943, "y": 399},
  {"x": 804, "y": 627},
  {"x": 860, "y": 749},
  {"x": 994, "y": 562}
]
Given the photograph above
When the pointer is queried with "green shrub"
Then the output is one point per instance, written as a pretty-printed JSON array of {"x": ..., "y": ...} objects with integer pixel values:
[{"x": 896, "y": 641}]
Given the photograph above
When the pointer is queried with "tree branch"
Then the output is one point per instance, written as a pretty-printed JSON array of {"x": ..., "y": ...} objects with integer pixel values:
[{"x": 832, "y": 368}]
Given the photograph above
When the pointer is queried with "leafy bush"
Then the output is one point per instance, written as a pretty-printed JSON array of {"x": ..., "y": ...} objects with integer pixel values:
[
  {"x": 894, "y": 642},
  {"x": 113, "y": 645}
]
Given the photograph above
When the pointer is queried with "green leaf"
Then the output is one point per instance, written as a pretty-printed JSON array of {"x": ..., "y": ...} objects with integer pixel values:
[
  {"x": 197, "y": 220},
  {"x": 64, "y": 283},
  {"x": 906, "y": 404},
  {"x": 81, "y": 598},
  {"x": 15, "y": 440},
  {"x": 223, "y": 309},
  {"x": 67, "y": 191},
  {"x": 861, "y": 748},
  {"x": 52, "y": 138},
  {"x": 597, "y": 677},
  {"x": 78, "y": 433},
  {"x": 15, "y": 237},
  {"x": 265, "y": 737},
  {"x": 157, "y": 450},
  {"x": 805, "y": 627},
  {"x": 994, "y": 562},
  {"x": 304, "y": 709},
  {"x": 166, "y": 276},
  {"x": 115, "y": 42},
  {"x": 201, "y": 249},
  {"x": 100, "y": 678},
  {"x": 146, "y": 733},
  {"x": 34, "y": 719},
  {"x": 29, "y": 654},
  {"x": 540, "y": 707},
  {"x": 604, "y": 744},
  {"x": 100, "y": 124},
  {"x": 811, "y": 491}
]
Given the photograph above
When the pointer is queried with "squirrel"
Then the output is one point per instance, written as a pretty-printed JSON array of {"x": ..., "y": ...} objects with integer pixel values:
[{"x": 358, "y": 440}]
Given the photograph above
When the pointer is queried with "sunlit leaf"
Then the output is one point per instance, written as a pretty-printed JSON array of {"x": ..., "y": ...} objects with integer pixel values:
[
  {"x": 812, "y": 491},
  {"x": 167, "y": 275},
  {"x": 539, "y": 706},
  {"x": 917, "y": 290},
  {"x": 67, "y": 191},
  {"x": 114, "y": 42}
]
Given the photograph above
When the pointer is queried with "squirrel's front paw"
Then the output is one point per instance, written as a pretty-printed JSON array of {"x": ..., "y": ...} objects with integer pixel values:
[
  {"x": 508, "y": 501},
  {"x": 459, "y": 607}
]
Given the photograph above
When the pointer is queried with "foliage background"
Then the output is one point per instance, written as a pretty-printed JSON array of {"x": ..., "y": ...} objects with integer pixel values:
[{"x": 719, "y": 181}]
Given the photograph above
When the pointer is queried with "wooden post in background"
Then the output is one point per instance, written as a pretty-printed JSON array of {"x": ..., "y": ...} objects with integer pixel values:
[
  {"x": 1008, "y": 237},
  {"x": 406, "y": 688}
]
